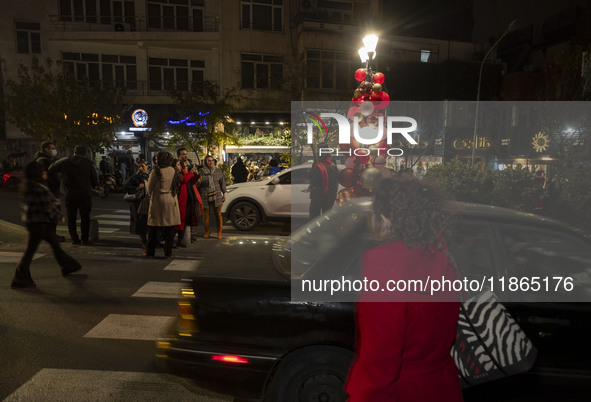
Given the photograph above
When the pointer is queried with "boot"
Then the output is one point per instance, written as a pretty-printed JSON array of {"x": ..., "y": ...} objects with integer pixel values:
[
  {"x": 206, "y": 222},
  {"x": 218, "y": 220},
  {"x": 22, "y": 279}
]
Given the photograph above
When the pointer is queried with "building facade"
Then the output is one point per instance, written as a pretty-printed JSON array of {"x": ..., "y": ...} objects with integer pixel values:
[{"x": 273, "y": 51}]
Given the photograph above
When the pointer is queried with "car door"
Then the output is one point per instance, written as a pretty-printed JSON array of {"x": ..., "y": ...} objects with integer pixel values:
[
  {"x": 278, "y": 195},
  {"x": 559, "y": 329},
  {"x": 475, "y": 250},
  {"x": 300, "y": 194}
]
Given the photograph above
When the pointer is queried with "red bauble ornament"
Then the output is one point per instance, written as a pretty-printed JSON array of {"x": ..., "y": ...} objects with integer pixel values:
[
  {"x": 363, "y": 159},
  {"x": 384, "y": 101},
  {"x": 376, "y": 96},
  {"x": 360, "y": 74},
  {"x": 353, "y": 110},
  {"x": 378, "y": 78}
]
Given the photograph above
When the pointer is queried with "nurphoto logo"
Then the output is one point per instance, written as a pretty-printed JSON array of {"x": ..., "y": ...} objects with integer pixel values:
[{"x": 367, "y": 135}]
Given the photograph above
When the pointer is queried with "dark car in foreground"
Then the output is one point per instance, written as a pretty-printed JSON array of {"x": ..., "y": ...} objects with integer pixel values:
[{"x": 240, "y": 332}]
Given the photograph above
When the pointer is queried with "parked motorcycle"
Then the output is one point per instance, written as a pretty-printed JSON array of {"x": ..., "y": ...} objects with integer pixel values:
[{"x": 109, "y": 183}]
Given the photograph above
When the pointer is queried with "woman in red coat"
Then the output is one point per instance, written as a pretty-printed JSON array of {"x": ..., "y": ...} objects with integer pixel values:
[
  {"x": 405, "y": 337},
  {"x": 190, "y": 204}
]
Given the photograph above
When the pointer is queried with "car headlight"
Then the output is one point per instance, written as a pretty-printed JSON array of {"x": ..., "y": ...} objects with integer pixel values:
[{"x": 230, "y": 189}]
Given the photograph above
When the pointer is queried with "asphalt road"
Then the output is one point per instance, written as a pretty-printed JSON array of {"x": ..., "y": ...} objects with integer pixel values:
[{"x": 91, "y": 336}]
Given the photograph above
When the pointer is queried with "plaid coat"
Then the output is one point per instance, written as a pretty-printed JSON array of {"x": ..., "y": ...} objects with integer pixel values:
[
  {"x": 40, "y": 206},
  {"x": 216, "y": 176}
]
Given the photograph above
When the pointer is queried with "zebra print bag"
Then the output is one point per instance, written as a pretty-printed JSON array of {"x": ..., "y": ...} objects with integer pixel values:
[{"x": 489, "y": 343}]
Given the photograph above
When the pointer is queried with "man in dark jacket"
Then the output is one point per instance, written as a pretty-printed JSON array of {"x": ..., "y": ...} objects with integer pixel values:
[
  {"x": 78, "y": 179},
  {"x": 239, "y": 171},
  {"x": 324, "y": 183},
  {"x": 46, "y": 156}
]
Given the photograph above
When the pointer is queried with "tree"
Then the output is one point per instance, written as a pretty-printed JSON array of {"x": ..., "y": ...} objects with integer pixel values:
[
  {"x": 204, "y": 120},
  {"x": 47, "y": 103}
]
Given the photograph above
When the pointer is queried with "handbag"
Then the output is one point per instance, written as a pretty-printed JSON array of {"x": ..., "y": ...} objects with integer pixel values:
[
  {"x": 489, "y": 343},
  {"x": 137, "y": 196}
]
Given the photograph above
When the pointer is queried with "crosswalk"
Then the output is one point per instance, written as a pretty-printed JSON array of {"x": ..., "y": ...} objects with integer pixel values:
[
  {"x": 109, "y": 222},
  {"x": 99, "y": 385}
]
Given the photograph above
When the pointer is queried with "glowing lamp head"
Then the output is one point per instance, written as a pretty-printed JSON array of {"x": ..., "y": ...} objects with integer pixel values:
[{"x": 370, "y": 42}]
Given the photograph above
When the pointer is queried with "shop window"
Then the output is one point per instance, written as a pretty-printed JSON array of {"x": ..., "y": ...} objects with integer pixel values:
[
  {"x": 178, "y": 15},
  {"x": 261, "y": 71},
  {"x": 326, "y": 69},
  {"x": 28, "y": 37},
  {"x": 264, "y": 15},
  {"x": 175, "y": 74}
]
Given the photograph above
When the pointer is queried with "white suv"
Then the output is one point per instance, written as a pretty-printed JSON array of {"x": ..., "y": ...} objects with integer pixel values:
[{"x": 281, "y": 196}]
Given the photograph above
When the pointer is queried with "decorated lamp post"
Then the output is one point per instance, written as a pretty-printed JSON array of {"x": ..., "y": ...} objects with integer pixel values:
[{"x": 366, "y": 111}]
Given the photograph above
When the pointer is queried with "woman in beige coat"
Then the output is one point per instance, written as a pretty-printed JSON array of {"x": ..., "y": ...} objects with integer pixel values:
[{"x": 164, "y": 210}]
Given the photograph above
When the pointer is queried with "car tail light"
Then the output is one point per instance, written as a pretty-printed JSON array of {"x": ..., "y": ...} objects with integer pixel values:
[
  {"x": 229, "y": 359},
  {"x": 5, "y": 178}
]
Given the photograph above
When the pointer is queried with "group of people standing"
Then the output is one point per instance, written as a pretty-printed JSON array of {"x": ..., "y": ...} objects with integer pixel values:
[{"x": 171, "y": 199}]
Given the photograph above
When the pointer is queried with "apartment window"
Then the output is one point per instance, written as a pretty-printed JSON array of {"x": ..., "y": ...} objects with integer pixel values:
[
  {"x": 326, "y": 69},
  {"x": 337, "y": 12},
  {"x": 261, "y": 71},
  {"x": 99, "y": 11},
  {"x": 265, "y": 15},
  {"x": 178, "y": 15},
  {"x": 175, "y": 74},
  {"x": 28, "y": 37},
  {"x": 425, "y": 56},
  {"x": 106, "y": 70}
]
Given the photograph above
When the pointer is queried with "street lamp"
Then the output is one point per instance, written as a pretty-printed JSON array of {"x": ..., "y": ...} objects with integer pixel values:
[
  {"x": 368, "y": 52},
  {"x": 511, "y": 27}
]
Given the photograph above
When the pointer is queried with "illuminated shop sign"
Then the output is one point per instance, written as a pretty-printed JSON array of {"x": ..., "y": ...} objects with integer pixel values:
[
  {"x": 481, "y": 143},
  {"x": 139, "y": 117}
]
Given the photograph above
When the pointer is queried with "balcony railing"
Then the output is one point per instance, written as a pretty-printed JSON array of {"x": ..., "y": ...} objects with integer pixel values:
[
  {"x": 78, "y": 23},
  {"x": 141, "y": 87}
]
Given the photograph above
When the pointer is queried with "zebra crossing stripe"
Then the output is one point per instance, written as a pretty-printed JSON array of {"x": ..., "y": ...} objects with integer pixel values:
[
  {"x": 11, "y": 257},
  {"x": 164, "y": 290},
  {"x": 51, "y": 384},
  {"x": 182, "y": 265},
  {"x": 112, "y": 216},
  {"x": 135, "y": 327},
  {"x": 101, "y": 230},
  {"x": 116, "y": 223}
]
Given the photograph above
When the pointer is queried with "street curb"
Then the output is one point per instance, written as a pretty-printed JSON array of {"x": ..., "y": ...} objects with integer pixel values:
[{"x": 11, "y": 232}]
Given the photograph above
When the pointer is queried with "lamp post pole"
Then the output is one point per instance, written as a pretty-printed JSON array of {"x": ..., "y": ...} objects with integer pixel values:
[{"x": 474, "y": 139}]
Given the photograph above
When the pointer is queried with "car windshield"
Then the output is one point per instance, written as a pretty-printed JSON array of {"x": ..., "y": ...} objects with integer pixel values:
[{"x": 296, "y": 256}]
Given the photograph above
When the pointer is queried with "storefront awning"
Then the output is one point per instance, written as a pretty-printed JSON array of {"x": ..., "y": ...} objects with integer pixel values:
[{"x": 257, "y": 149}]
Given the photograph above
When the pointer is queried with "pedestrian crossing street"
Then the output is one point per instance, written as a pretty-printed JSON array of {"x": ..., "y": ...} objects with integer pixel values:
[{"x": 53, "y": 384}]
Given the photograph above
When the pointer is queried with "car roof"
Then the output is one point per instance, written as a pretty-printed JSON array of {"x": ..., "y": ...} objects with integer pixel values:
[
  {"x": 490, "y": 212},
  {"x": 471, "y": 210}
]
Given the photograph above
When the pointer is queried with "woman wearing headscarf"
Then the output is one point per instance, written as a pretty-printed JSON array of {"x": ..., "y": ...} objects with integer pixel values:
[{"x": 163, "y": 214}]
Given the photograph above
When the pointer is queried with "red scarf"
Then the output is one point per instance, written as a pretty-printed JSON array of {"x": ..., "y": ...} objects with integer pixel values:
[{"x": 324, "y": 174}]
